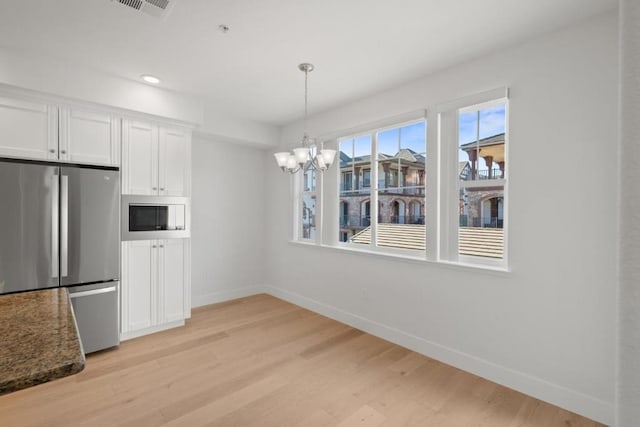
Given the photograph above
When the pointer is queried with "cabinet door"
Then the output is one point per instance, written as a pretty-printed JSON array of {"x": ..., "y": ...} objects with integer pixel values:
[
  {"x": 28, "y": 129},
  {"x": 89, "y": 137},
  {"x": 171, "y": 280},
  {"x": 139, "y": 158},
  {"x": 174, "y": 157},
  {"x": 139, "y": 284}
]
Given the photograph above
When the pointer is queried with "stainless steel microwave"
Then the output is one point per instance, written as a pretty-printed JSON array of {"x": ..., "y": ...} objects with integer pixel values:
[{"x": 155, "y": 217}]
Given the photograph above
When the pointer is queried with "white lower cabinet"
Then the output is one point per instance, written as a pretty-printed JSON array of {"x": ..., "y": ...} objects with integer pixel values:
[{"x": 155, "y": 286}]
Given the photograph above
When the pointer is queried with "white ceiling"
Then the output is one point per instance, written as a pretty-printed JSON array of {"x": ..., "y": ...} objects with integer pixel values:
[{"x": 359, "y": 47}]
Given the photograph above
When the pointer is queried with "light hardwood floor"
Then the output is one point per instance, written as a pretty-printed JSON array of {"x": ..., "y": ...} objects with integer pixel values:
[{"x": 260, "y": 361}]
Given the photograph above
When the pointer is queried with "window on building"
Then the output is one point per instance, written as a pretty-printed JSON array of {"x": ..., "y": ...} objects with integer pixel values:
[
  {"x": 347, "y": 181},
  {"x": 366, "y": 178},
  {"x": 398, "y": 171}
]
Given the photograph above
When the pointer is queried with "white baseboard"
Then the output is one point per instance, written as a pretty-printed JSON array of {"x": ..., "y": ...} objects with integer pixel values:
[
  {"x": 563, "y": 397},
  {"x": 222, "y": 296}
]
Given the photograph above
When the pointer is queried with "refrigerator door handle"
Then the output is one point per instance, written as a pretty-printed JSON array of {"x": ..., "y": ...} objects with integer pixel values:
[
  {"x": 92, "y": 292},
  {"x": 55, "y": 236},
  {"x": 64, "y": 225}
]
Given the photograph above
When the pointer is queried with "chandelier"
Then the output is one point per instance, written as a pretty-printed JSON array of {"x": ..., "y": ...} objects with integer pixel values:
[{"x": 320, "y": 157}]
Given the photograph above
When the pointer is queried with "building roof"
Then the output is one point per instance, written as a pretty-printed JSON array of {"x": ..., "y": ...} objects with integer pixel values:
[
  {"x": 492, "y": 146},
  {"x": 485, "y": 142},
  {"x": 476, "y": 241},
  {"x": 406, "y": 154}
]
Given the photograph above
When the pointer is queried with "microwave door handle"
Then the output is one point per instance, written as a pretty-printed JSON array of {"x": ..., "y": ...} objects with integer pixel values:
[
  {"x": 55, "y": 236},
  {"x": 64, "y": 225}
]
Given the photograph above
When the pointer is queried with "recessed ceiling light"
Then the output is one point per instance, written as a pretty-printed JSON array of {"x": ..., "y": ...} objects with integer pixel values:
[{"x": 150, "y": 79}]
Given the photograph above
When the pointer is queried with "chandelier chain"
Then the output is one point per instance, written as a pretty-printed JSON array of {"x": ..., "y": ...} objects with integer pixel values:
[{"x": 306, "y": 102}]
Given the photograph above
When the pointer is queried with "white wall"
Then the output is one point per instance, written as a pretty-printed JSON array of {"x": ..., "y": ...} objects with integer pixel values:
[
  {"x": 61, "y": 78},
  {"x": 628, "y": 375},
  {"x": 546, "y": 328},
  {"x": 227, "y": 244}
]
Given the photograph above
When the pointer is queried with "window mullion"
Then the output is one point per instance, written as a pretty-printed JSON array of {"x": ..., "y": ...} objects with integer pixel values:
[
  {"x": 374, "y": 190},
  {"x": 431, "y": 190},
  {"x": 296, "y": 192},
  {"x": 319, "y": 178}
]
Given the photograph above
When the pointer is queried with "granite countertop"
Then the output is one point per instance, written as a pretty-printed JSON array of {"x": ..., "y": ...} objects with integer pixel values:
[{"x": 39, "y": 339}]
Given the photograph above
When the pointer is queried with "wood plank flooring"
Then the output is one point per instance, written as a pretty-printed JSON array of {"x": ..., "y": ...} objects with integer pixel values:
[{"x": 260, "y": 361}]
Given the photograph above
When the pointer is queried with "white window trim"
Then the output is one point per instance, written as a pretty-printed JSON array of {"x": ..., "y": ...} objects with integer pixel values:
[
  {"x": 409, "y": 119},
  {"x": 441, "y": 187},
  {"x": 449, "y": 185}
]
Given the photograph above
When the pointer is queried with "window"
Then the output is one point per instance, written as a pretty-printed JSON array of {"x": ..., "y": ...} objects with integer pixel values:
[
  {"x": 399, "y": 171},
  {"x": 473, "y": 143},
  {"x": 355, "y": 212},
  {"x": 347, "y": 181},
  {"x": 481, "y": 181},
  {"x": 366, "y": 178},
  {"x": 378, "y": 199}
]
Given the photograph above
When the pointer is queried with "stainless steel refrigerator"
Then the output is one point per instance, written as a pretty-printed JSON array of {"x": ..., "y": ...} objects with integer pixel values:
[{"x": 60, "y": 226}]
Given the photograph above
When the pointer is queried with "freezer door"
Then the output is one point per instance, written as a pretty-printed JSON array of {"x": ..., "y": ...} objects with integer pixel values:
[
  {"x": 89, "y": 225},
  {"x": 28, "y": 226}
]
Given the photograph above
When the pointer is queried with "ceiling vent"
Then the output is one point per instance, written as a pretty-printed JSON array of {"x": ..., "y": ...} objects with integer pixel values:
[{"x": 157, "y": 8}]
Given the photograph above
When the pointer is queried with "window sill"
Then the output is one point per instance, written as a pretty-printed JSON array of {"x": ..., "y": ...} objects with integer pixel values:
[{"x": 451, "y": 265}]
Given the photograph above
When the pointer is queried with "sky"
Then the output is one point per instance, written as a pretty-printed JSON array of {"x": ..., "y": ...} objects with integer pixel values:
[
  {"x": 389, "y": 141},
  {"x": 492, "y": 122}
]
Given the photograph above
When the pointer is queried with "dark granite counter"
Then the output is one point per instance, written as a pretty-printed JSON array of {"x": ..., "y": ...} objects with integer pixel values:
[{"x": 39, "y": 339}]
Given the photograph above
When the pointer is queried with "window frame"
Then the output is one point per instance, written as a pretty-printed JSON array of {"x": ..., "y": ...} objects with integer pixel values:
[
  {"x": 441, "y": 186},
  {"x": 375, "y": 189},
  {"x": 450, "y": 184}
]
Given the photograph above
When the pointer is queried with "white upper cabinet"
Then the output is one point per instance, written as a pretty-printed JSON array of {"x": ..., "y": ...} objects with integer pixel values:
[
  {"x": 139, "y": 158},
  {"x": 155, "y": 159},
  {"x": 89, "y": 137},
  {"x": 35, "y": 129},
  {"x": 174, "y": 160},
  {"x": 28, "y": 129}
]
